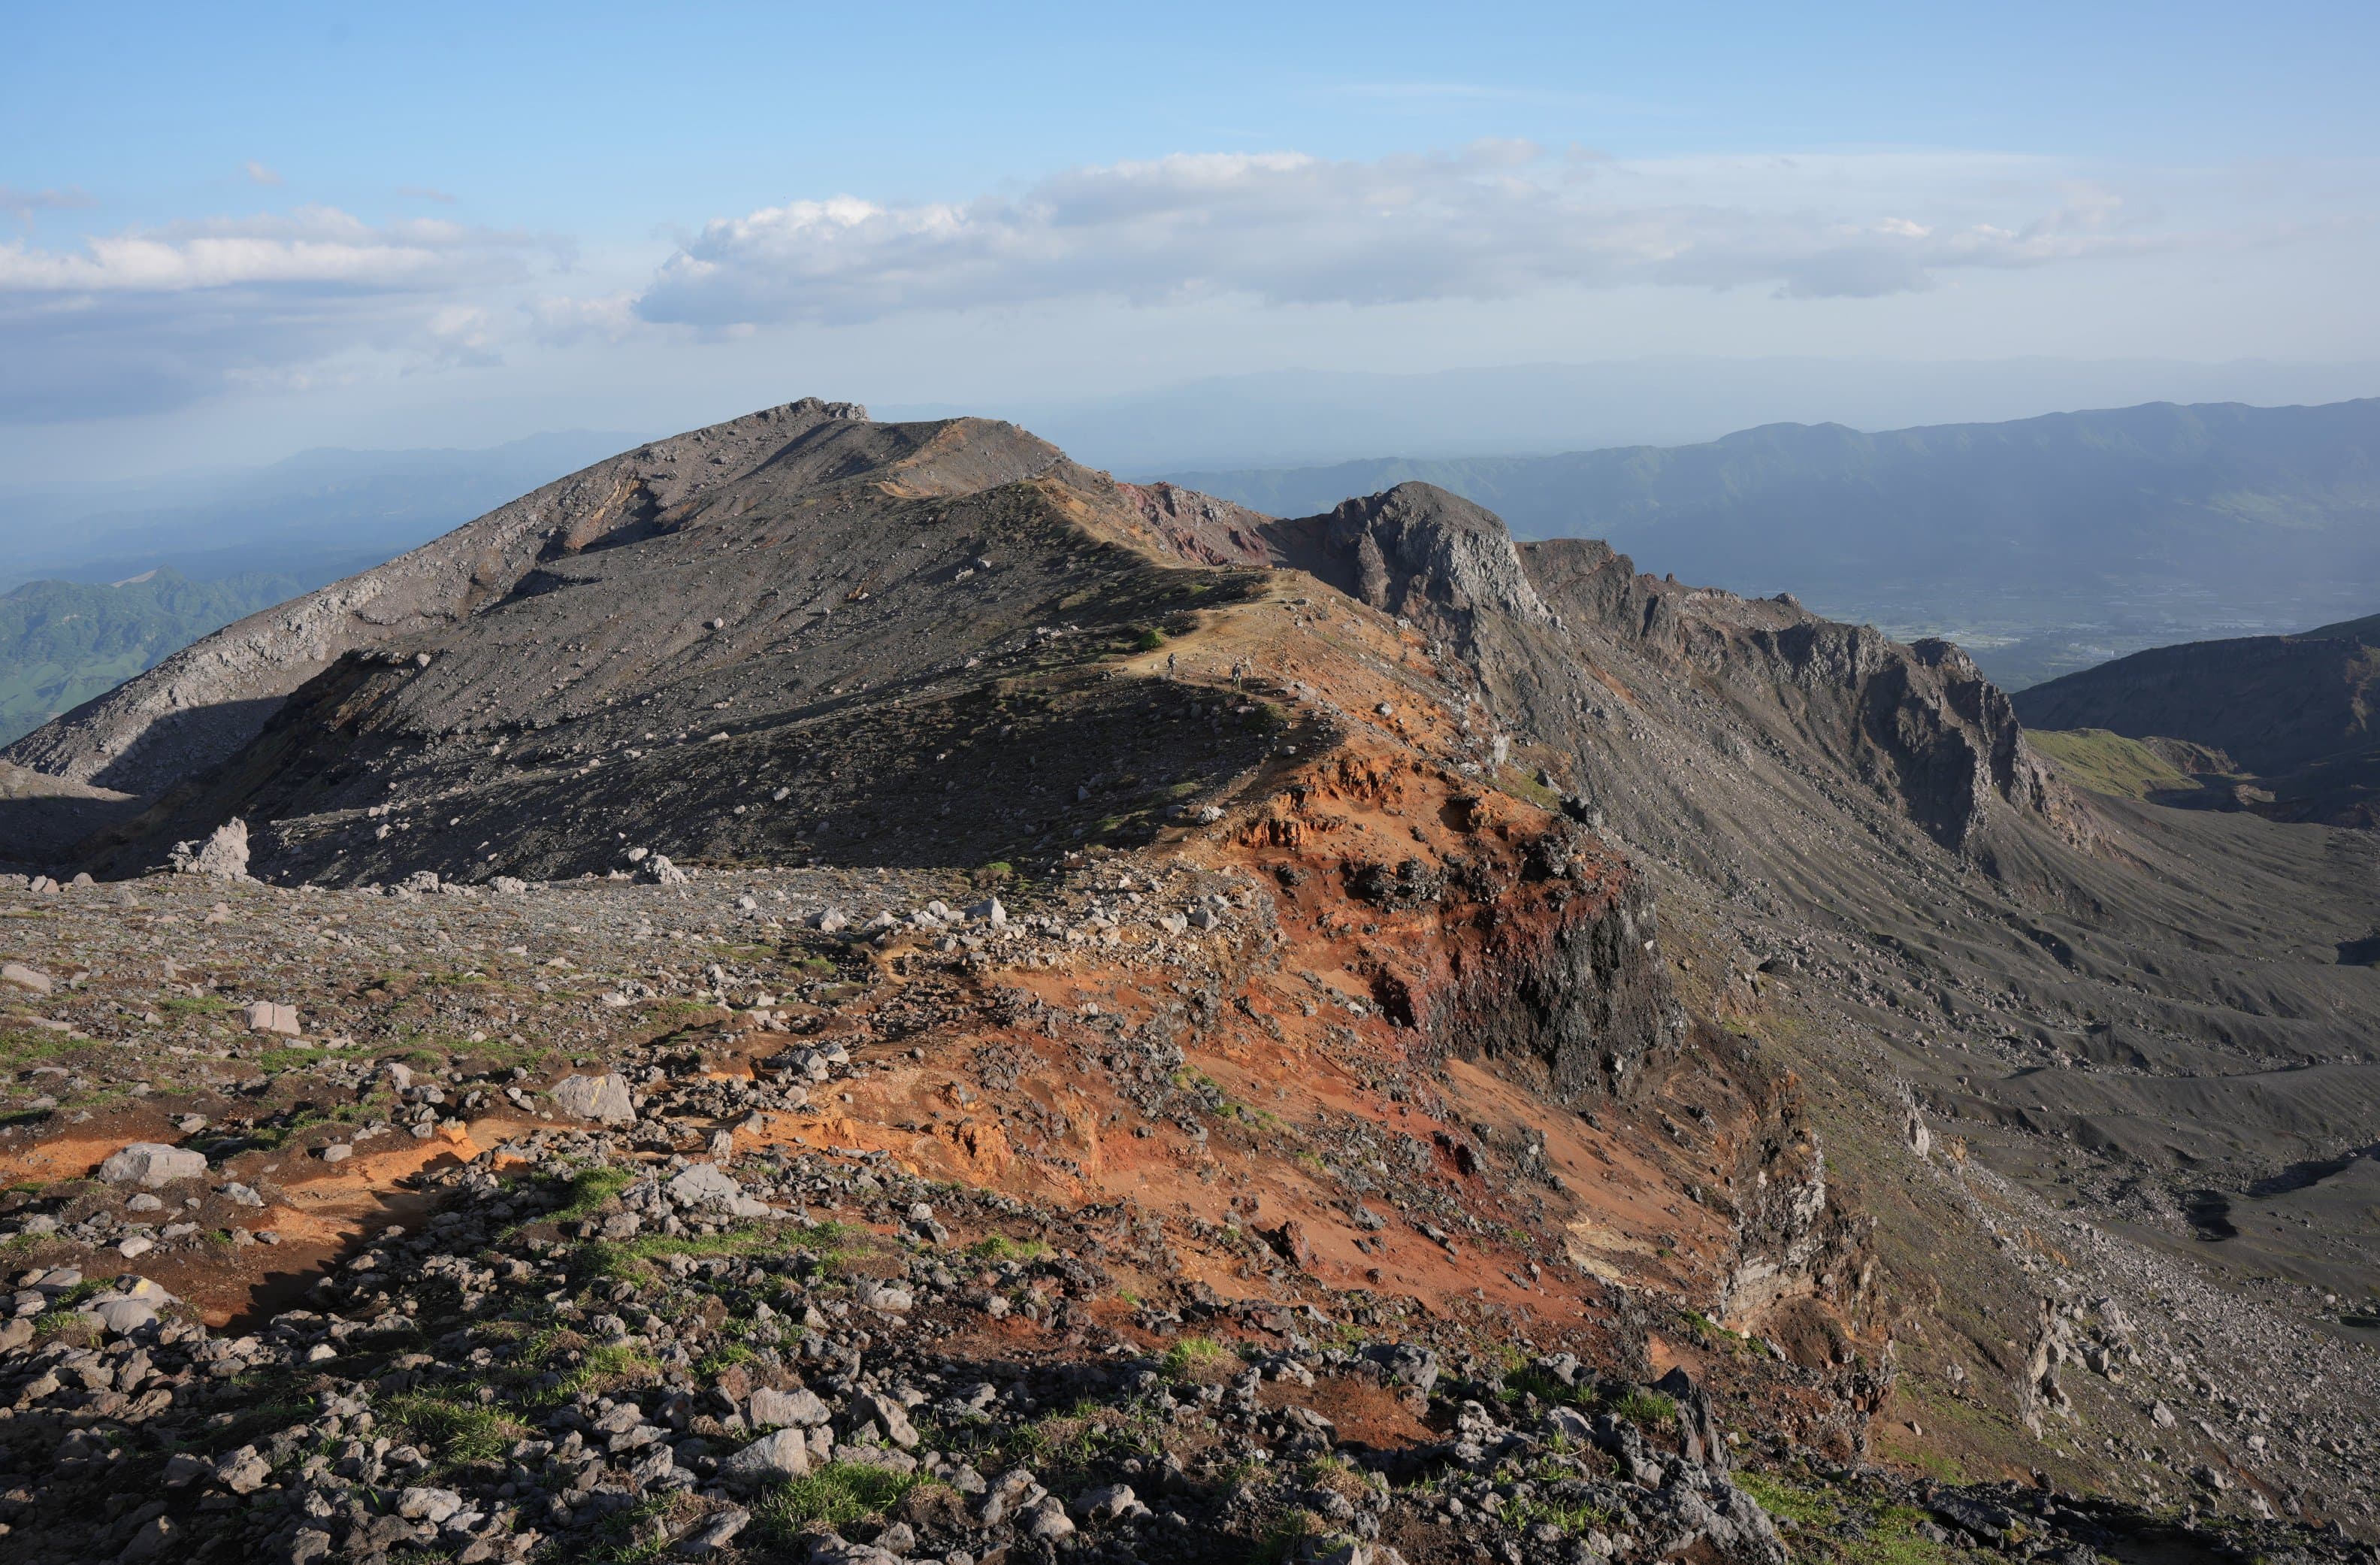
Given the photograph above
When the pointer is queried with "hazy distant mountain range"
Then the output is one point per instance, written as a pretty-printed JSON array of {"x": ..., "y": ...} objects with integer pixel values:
[
  {"x": 2042, "y": 544},
  {"x": 1302, "y": 418}
]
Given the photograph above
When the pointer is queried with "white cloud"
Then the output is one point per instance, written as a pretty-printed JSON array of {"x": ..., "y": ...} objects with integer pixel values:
[
  {"x": 319, "y": 245},
  {"x": 1495, "y": 220},
  {"x": 260, "y": 175},
  {"x": 146, "y": 319}
]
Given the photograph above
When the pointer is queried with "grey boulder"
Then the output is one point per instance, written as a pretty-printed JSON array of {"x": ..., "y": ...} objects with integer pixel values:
[
  {"x": 603, "y": 1099},
  {"x": 785, "y": 1454},
  {"x": 152, "y": 1163}
]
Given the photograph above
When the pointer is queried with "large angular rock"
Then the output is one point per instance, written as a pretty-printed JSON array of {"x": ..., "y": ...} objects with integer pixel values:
[
  {"x": 797, "y": 1409},
  {"x": 20, "y": 976},
  {"x": 152, "y": 1163},
  {"x": 703, "y": 1185},
  {"x": 244, "y": 1470},
  {"x": 886, "y": 1413},
  {"x": 1407, "y": 1364},
  {"x": 707, "y": 1187},
  {"x": 785, "y": 1454},
  {"x": 425, "y": 1504},
  {"x": 223, "y": 853},
  {"x": 601, "y": 1098},
  {"x": 269, "y": 1016},
  {"x": 123, "y": 1311}
]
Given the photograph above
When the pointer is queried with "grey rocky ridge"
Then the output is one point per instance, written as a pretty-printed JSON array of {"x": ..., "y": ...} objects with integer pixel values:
[{"x": 835, "y": 991}]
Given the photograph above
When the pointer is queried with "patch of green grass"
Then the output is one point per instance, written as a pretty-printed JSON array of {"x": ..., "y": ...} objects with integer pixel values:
[
  {"x": 1843, "y": 1526},
  {"x": 834, "y": 1496},
  {"x": 1084, "y": 1436},
  {"x": 602, "y": 1366},
  {"x": 1712, "y": 1334},
  {"x": 19, "y": 1045},
  {"x": 1521, "y": 1515},
  {"x": 1525, "y": 785},
  {"x": 1289, "y": 1535},
  {"x": 994, "y": 1248},
  {"x": 274, "y": 1061},
  {"x": 1199, "y": 1360},
  {"x": 1647, "y": 1409},
  {"x": 833, "y": 1244},
  {"x": 1150, "y": 639},
  {"x": 641, "y": 1532},
  {"x": 459, "y": 1432},
  {"x": 589, "y": 1188},
  {"x": 721, "y": 1358},
  {"x": 1788, "y": 1502}
]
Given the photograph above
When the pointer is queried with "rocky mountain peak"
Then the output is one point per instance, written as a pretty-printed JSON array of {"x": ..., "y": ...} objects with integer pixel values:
[{"x": 1415, "y": 551}]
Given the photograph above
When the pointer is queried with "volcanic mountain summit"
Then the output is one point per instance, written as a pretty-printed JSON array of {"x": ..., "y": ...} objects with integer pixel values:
[
  {"x": 715, "y": 631},
  {"x": 837, "y": 920}
]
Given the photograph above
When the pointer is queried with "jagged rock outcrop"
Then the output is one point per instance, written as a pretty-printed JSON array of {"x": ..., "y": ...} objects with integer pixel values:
[
  {"x": 1918, "y": 723},
  {"x": 1415, "y": 551}
]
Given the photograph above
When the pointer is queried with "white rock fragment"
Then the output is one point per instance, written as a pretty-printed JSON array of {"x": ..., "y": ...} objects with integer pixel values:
[
  {"x": 601, "y": 1098},
  {"x": 152, "y": 1163},
  {"x": 269, "y": 1016},
  {"x": 24, "y": 977},
  {"x": 427, "y": 1505}
]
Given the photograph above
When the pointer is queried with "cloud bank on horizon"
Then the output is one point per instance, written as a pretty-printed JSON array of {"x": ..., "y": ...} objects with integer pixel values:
[
  {"x": 142, "y": 319},
  {"x": 412, "y": 235}
]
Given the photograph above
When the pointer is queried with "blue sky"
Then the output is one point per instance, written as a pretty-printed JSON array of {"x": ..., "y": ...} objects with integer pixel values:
[{"x": 231, "y": 234}]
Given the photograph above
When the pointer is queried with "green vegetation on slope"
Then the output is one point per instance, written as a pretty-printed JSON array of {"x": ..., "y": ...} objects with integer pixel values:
[
  {"x": 62, "y": 642},
  {"x": 2108, "y": 762}
]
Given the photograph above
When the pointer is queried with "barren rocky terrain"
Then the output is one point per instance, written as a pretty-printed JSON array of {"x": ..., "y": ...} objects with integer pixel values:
[{"x": 846, "y": 992}]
